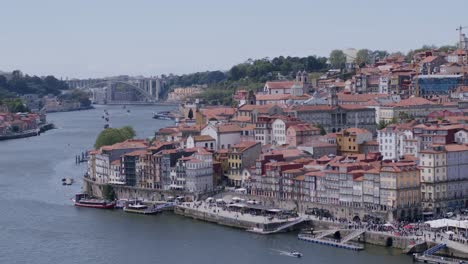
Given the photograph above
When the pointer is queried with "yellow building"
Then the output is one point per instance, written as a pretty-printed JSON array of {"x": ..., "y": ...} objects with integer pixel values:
[
  {"x": 348, "y": 140},
  {"x": 241, "y": 156}
]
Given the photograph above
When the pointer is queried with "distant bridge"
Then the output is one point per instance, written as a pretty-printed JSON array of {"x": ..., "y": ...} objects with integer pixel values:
[{"x": 149, "y": 89}]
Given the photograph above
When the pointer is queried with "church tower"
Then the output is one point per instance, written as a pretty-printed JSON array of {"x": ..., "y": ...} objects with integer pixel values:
[{"x": 332, "y": 97}]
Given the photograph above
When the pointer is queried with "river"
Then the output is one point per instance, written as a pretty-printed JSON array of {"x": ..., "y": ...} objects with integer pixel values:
[{"x": 39, "y": 224}]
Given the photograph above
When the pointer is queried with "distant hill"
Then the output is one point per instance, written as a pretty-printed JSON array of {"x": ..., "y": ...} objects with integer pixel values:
[{"x": 15, "y": 84}]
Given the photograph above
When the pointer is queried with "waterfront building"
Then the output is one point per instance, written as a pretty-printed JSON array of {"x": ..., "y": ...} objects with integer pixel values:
[
  {"x": 132, "y": 167},
  {"x": 240, "y": 157},
  {"x": 116, "y": 177},
  {"x": 371, "y": 189},
  {"x": 194, "y": 173},
  {"x": 400, "y": 189},
  {"x": 443, "y": 178}
]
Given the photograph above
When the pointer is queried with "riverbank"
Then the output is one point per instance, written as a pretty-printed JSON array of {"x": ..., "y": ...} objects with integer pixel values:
[{"x": 29, "y": 133}]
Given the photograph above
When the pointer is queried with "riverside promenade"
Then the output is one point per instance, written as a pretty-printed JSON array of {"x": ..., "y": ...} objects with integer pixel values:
[{"x": 220, "y": 215}]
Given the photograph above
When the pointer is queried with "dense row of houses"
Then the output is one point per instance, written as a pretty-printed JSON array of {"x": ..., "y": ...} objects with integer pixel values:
[
  {"x": 16, "y": 123},
  {"x": 392, "y": 139}
]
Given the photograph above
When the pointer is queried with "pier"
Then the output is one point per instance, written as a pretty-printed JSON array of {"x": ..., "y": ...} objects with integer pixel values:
[
  {"x": 328, "y": 242},
  {"x": 278, "y": 229}
]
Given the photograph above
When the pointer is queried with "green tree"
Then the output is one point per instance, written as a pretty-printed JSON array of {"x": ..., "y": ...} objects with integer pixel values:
[
  {"x": 190, "y": 114},
  {"x": 363, "y": 57},
  {"x": 110, "y": 136},
  {"x": 322, "y": 129},
  {"x": 337, "y": 59},
  {"x": 127, "y": 132}
]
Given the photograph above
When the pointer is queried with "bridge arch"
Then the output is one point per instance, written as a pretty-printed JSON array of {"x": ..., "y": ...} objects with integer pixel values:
[{"x": 140, "y": 90}]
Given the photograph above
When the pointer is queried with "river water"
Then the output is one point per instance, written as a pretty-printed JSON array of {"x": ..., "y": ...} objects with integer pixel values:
[{"x": 39, "y": 224}]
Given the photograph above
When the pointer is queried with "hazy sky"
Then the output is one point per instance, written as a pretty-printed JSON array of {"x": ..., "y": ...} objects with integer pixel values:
[{"x": 96, "y": 38}]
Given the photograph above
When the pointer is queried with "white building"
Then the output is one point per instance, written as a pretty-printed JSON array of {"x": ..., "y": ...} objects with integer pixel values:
[
  {"x": 115, "y": 176},
  {"x": 198, "y": 171},
  {"x": 461, "y": 137},
  {"x": 203, "y": 141},
  {"x": 102, "y": 168},
  {"x": 225, "y": 135},
  {"x": 396, "y": 141},
  {"x": 384, "y": 82}
]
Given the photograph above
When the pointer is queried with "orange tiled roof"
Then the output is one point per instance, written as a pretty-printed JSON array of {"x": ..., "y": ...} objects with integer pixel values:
[{"x": 280, "y": 84}]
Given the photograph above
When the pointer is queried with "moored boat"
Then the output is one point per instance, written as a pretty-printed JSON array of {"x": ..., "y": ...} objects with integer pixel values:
[
  {"x": 165, "y": 115},
  {"x": 83, "y": 200},
  {"x": 139, "y": 208}
]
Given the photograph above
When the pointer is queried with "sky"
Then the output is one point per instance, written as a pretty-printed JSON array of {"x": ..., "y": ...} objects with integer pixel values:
[{"x": 99, "y": 38}]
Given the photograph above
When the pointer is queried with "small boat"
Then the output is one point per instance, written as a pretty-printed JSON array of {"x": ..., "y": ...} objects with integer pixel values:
[
  {"x": 120, "y": 204},
  {"x": 166, "y": 115},
  {"x": 295, "y": 254},
  {"x": 83, "y": 200},
  {"x": 139, "y": 208},
  {"x": 128, "y": 110},
  {"x": 67, "y": 181}
]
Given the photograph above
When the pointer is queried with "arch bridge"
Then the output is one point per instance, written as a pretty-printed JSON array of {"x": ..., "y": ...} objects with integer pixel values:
[{"x": 148, "y": 89}]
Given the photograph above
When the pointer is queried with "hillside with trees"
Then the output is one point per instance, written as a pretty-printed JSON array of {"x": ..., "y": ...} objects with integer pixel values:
[{"x": 17, "y": 84}]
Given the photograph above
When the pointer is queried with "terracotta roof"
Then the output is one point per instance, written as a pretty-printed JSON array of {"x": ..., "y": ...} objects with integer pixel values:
[
  {"x": 412, "y": 101},
  {"x": 252, "y": 107},
  {"x": 280, "y": 84},
  {"x": 128, "y": 144},
  {"x": 245, "y": 145},
  {"x": 303, "y": 127},
  {"x": 456, "y": 147},
  {"x": 429, "y": 59},
  {"x": 202, "y": 138},
  {"x": 344, "y": 97},
  {"x": 229, "y": 128},
  {"x": 241, "y": 119}
]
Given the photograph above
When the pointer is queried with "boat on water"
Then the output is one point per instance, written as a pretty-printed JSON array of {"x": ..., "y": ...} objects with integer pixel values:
[
  {"x": 67, "y": 181},
  {"x": 83, "y": 200},
  {"x": 165, "y": 115},
  {"x": 294, "y": 254},
  {"x": 140, "y": 208}
]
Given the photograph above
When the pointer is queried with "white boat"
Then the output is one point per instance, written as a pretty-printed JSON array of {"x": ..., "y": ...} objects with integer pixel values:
[
  {"x": 295, "y": 254},
  {"x": 139, "y": 208}
]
